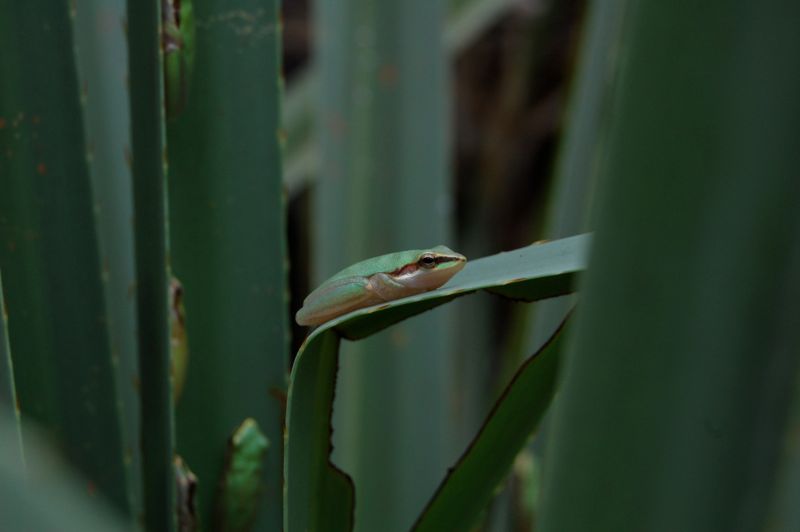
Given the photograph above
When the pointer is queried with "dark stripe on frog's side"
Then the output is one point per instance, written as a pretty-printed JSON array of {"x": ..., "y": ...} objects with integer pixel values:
[{"x": 414, "y": 266}]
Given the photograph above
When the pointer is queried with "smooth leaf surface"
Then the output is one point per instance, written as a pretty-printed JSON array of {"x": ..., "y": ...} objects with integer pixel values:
[
  {"x": 316, "y": 492},
  {"x": 471, "y": 484},
  {"x": 466, "y": 21},
  {"x": 227, "y": 243},
  {"x": 673, "y": 405},
  {"x": 101, "y": 53},
  {"x": 67, "y": 370}
]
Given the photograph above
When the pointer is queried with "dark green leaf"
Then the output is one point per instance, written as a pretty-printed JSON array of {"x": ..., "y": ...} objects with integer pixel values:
[
  {"x": 227, "y": 242},
  {"x": 466, "y": 21},
  {"x": 317, "y": 494},
  {"x": 152, "y": 269},
  {"x": 66, "y": 285},
  {"x": 471, "y": 484},
  {"x": 675, "y": 393}
]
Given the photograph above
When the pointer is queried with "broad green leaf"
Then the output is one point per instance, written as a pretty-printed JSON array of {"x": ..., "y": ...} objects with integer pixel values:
[
  {"x": 65, "y": 236},
  {"x": 466, "y": 21},
  {"x": 472, "y": 482},
  {"x": 684, "y": 356},
  {"x": 227, "y": 243},
  {"x": 101, "y": 53},
  {"x": 318, "y": 496}
]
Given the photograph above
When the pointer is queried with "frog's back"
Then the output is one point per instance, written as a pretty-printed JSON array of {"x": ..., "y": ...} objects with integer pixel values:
[{"x": 382, "y": 264}]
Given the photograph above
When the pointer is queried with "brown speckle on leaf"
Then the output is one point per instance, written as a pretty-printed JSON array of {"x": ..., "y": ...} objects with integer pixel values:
[
  {"x": 126, "y": 152},
  {"x": 387, "y": 75},
  {"x": 41, "y": 168},
  {"x": 337, "y": 124}
]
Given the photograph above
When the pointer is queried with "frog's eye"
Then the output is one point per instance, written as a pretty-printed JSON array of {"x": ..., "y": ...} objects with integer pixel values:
[{"x": 427, "y": 261}]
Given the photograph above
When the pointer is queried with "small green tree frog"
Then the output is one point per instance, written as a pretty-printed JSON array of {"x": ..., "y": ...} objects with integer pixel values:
[{"x": 378, "y": 280}]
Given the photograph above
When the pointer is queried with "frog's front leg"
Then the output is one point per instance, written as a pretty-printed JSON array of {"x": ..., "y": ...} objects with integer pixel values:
[{"x": 387, "y": 288}]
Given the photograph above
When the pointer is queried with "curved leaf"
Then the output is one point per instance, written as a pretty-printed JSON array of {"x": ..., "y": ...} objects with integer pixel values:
[
  {"x": 531, "y": 273},
  {"x": 317, "y": 496},
  {"x": 469, "y": 487}
]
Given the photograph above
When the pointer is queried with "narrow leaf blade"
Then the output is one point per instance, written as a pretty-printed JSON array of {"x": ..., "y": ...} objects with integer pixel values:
[{"x": 469, "y": 487}]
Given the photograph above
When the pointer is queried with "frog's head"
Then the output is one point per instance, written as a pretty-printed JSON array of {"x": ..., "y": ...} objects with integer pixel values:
[{"x": 430, "y": 268}]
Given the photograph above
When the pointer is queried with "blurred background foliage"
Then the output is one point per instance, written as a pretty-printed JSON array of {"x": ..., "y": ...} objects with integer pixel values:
[{"x": 286, "y": 140}]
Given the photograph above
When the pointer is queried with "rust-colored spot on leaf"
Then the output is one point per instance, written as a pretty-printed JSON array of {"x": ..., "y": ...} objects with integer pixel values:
[
  {"x": 2, "y": 123},
  {"x": 387, "y": 75},
  {"x": 399, "y": 338},
  {"x": 337, "y": 125},
  {"x": 36, "y": 119},
  {"x": 126, "y": 152},
  {"x": 41, "y": 168},
  {"x": 91, "y": 489}
]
